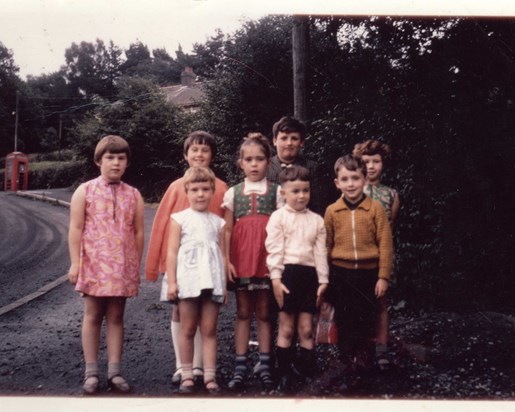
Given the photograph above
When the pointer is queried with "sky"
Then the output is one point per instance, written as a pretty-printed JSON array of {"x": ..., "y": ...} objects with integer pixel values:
[{"x": 39, "y": 31}]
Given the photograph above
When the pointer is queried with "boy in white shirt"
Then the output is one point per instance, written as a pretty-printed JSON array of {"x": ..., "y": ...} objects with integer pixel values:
[{"x": 297, "y": 261}]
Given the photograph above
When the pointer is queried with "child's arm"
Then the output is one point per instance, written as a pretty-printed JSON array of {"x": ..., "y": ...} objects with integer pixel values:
[
  {"x": 385, "y": 246},
  {"x": 222, "y": 247},
  {"x": 229, "y": 223},
  {"x": 77, "y": 212},
  {"x": 396, "y": 205},
  {"x": 275, "y": 244},
  {"x": 322, "y": 267},
  {"x": 174, "y": 239},
  {"x": 160, "y": 231},
  {"x": 139, "y": 229}
]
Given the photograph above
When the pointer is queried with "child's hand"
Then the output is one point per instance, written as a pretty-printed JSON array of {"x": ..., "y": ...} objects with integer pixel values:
[
  {"x": 73, "y": 274},
  {"x": 279, "y": 291},
  {"x": 231, "y": 272},
  {"x": 320, "y": 293},
  {"x": 381, "y": 287},
  {"x": 172, "y": 292}
]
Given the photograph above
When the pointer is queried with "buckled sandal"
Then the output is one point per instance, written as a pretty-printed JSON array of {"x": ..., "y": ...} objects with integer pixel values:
[
  {"x": 187, "y": 389},
  {"x": 118, "y": 384},
  {"x": 176, "y": 378},
  {"x": 212, "y": 388},
  {"x": 90, "y": 385}
]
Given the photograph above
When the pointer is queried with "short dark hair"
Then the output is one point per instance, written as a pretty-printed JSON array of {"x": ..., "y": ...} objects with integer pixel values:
[
  {"x": 293, "y": 173},
  {"x": 289, "y": 125},
  {"x": 111, "y": 144},
  {"x": 200, "y": 137},
  {"x": 352, "y": 163}
]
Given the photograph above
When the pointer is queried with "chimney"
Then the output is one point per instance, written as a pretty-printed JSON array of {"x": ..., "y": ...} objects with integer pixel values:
[{"x": 188, "y": 77}]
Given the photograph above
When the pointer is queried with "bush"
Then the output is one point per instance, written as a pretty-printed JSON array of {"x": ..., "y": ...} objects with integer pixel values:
[{"x": 49, "y": 175}]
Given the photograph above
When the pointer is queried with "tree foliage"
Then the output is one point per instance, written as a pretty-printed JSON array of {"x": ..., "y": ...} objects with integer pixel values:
[{"x": 153, "y": 128}]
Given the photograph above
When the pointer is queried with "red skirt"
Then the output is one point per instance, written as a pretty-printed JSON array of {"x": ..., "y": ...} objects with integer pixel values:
[{"x": 248, "y": 253}]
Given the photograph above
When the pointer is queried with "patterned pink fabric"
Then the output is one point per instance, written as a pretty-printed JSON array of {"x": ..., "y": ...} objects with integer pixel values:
[{"x": 109, "y": 256}]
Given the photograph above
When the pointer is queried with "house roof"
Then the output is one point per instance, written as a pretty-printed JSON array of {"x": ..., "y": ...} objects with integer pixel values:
[{"x": 185, "y": 96}]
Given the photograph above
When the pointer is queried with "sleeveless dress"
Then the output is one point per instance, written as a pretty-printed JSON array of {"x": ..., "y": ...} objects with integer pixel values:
[
  {"x": 200, "y": 264},
  {"x": 251, "y": 212},
  {"x": 384, "y": 195},
  {"x": 109, "y": 264}
]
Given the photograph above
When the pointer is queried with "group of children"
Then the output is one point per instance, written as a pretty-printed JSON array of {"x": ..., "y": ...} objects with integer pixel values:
[{"x": 259, "y": 238}]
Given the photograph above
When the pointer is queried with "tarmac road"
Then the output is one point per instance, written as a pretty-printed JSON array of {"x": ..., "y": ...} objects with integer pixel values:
[{"x": 33, "y": 249}]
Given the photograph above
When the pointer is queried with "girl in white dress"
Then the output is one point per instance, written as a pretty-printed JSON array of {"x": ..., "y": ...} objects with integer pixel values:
[{"x": 196, "y": 275}]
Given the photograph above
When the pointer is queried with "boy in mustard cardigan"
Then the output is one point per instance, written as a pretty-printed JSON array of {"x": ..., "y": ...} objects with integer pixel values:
[{"x": 360, "y": 252}]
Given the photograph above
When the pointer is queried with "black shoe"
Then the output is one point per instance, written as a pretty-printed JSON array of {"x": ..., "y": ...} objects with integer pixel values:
[
  {"x": 236, "y": 384},
  {"x": 285, "y": 383}
]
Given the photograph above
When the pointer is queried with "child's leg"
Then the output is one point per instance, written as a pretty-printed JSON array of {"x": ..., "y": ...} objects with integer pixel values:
[
  {"x": 307, "y": 361},
  {"x": 244, "y": 309},
  {"x": 284, "y": 351},
  {"x": 197, "y": 345},
  {"x": 382, "y": 334},
  {"x": 175, "y": 329},
  {"x": 264, "y": 330},
  {"x": 114, "y": 337},
  {"x": 189, "y": 310},
  {"x": 208, "y": 320},
  {"x": 94, "y": 311}
]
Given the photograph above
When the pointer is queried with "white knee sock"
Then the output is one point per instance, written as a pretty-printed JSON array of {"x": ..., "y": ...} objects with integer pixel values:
[
  {"x": 197, "y": 351},
  {"x": 175, "y": 328}
]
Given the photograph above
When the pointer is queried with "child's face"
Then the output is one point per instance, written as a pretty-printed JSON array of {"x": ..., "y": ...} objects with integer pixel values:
[
  {"x": 350, "y": 183},
  {"x": 112, "y": 166},
  {"x": 253, "y": 162},
  {"x": 296, "y": 194},
  {"x": 199, "y": 155},
  {"x": 199, "y": 195},
  {"x": 288, "y": 145},
  {"x": 374, "y": 167}
]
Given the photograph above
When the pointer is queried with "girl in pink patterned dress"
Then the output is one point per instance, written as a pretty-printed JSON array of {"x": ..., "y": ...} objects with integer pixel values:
[{"x": 106, "y": 244}]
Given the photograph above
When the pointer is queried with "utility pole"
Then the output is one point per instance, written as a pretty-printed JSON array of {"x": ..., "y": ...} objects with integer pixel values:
[
  {"x": 300, "y": 53},
  {"x": 16, "y": 121},
  {"x": 60, "y": 134}
]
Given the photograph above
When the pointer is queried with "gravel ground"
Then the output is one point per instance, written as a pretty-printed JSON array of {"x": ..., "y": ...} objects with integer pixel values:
[{"x": 436, "y": 356}]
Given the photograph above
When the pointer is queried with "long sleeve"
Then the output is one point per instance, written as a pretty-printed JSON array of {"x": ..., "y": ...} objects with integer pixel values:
[
  {"x": 384, "y": 244},
  {"x": 320, "y": 253},
  {"x": 275, "y": 246},
  {"x": 158, "y": 240}
]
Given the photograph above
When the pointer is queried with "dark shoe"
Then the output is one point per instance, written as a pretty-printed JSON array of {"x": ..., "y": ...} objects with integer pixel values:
[
  {"x": 383, "y": 364},
  {"x": 212, "y": 388},
  {"x": 265, "y": 377},
  {"x": 285, "y": 384},
  {"x": 176, "y": 378},
  {"x": 118, "y": 384},
  {"x": 90, "y": 385},
  {"x": 187, "y": 389},
  {"x": 236, "y": 384}
]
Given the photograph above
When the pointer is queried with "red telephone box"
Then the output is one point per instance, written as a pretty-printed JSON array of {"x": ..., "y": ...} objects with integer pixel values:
[{"x": 16, "y": 171}]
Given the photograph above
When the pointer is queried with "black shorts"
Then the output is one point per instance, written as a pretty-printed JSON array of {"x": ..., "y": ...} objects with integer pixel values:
[{"x": 302, "y": 282}]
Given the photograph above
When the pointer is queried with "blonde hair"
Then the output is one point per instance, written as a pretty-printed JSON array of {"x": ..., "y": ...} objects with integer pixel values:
[
  {"x": 111, "y": 144},
  {"x": 198, "y": 174}
]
